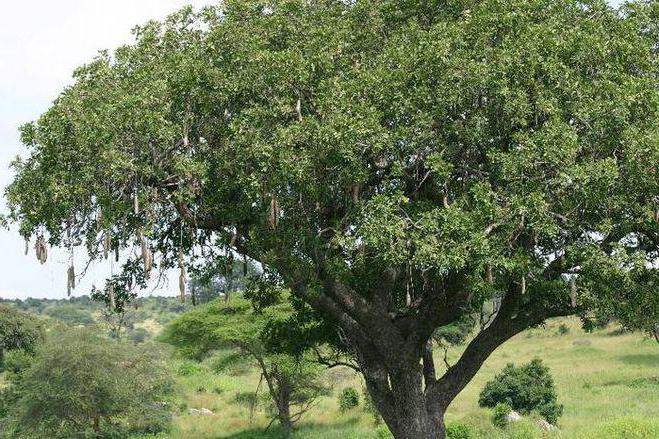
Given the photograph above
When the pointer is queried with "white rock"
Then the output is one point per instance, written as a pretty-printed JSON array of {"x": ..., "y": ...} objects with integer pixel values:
[
  {"x": 513, "y": 416},
  {"x": 203, "y": 411},
  {"x": 544, "y": 425}
]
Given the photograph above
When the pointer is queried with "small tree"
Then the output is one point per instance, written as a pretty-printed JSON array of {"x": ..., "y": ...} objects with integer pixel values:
[
  {"x": 18, "y": 330},
  {"x": 292, "y": 380},
  {"x": 81, "y": 384},
  {"x": 525, "y": 389}
]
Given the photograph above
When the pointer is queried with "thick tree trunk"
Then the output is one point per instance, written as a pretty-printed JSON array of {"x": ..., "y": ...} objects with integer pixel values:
[{"x": 407, "y": 410}]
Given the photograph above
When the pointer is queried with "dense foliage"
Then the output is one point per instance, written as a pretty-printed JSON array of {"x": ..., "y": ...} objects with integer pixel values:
[
  {"x": 81, "y": 384},
  {"x": 527, "y": 388},
  {"x": 397, "y": 165},
  {"x": 348, "y": 399},
  {"x": 18, "y": 330}
]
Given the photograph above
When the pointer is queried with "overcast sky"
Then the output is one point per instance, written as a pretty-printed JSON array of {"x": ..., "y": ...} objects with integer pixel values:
[{"x": 41, "y": 43}]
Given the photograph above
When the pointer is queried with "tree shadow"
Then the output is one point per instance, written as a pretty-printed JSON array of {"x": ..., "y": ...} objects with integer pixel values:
[
  {"x": 303, "y": 430},
  {"x": 650, "y": 360}
]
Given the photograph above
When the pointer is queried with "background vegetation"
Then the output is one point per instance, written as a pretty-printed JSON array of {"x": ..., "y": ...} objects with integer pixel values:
[{"x": 607, "y": 380}]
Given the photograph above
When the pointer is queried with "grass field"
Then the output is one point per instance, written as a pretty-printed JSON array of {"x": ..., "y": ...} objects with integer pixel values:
[{"x": 607, "y": 380}]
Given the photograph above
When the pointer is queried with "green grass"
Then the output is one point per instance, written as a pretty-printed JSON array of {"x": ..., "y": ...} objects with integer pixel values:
[{"x": 608, "y": 382}]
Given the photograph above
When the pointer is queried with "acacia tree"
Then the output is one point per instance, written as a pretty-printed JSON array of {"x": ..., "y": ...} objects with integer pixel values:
[
  {"x": 292, "y": 380},
  {"x": 397, "y": 164},
  {"x": 81, "y": 384}
]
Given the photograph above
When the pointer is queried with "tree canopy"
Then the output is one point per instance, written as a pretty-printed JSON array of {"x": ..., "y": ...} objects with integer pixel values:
[
  {"x": 81, "y": 384},
  {"x": 397, "y": 165}
]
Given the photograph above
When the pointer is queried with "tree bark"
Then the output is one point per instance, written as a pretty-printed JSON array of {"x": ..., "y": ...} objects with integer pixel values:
[
  {"x": 402, "y": 382},
  {"x": 284, "y": 408},
  {"x": 405, "y": 407}
]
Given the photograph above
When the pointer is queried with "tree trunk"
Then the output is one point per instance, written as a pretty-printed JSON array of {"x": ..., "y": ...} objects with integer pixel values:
[
  {"x": 405, "y": 407},
  {"x": 284, "y": 408}
]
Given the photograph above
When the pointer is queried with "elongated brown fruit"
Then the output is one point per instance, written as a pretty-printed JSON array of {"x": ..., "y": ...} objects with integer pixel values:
[
  {"x": 355, "y": 193},
  {"x": 71, "y": 275},
  {"x": 181, "y": 284},
  {"x": 113, "y": 304},
  {"x": 573, "y": 292},
  {"x": 148, "y": 261},
  {"x": 274, "y": 213},
  {"x": 107, "y": 242},
  {"x": 99, "y": 220},
  {"x": 41, "y": 250}
]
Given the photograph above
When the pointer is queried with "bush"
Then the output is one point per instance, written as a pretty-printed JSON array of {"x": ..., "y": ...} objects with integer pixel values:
[
  {"x": 563, "y": 329},
  {"x": 525, "y": 389},
  {"x": 457, "y": 430},
  {"x": 188, "y": 368},
  {"x": 17, "y": 361},
  {"x": 349, "y": 399},
  {"x": 138, "y": 335},
  {"x": 500, "y": 415},
  {"x": 77, "y": 377}
]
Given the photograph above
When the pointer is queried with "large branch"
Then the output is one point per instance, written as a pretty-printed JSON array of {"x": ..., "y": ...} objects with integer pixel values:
[{"x": 511, "y": 320}]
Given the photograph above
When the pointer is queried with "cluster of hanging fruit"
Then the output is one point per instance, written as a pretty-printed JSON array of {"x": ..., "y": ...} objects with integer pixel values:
[
  {"x": 41, "y": 249},
  {"x": 183, "y": 277}
]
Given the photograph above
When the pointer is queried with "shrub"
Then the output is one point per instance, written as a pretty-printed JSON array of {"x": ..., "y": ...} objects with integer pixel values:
[
  {"x": 188, "y": 368},
  {"x": 457, "y": 430},
  {"x": 500, "y": 415},
  {"x": 138, "y": 335},
  {"x": 563, "y": 329},
  {"x": 17, "y": 361},
  {"x": 71, "y": 315},
  {"x": 348, "y": 399},
  {"x": 526, "y": 388}
]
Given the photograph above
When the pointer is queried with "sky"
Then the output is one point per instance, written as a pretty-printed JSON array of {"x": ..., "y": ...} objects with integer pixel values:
[{"x": 41, "y": 43}]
